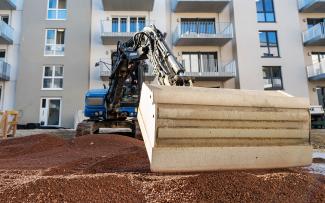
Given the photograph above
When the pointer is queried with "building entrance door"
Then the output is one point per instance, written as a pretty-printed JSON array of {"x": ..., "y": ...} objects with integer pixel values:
[
  {"x": 50, "y": 112},
  {"x": 321, "y": 96}
]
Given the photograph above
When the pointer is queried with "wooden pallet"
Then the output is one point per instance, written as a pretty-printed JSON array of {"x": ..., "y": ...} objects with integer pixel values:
[{"x": 8, "y": 124}]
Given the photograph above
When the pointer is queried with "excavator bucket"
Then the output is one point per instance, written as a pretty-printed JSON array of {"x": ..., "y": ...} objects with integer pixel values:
[{"x": 189, "y": 129}]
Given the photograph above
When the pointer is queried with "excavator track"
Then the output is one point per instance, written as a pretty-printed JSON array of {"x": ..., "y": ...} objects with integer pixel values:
[{"x": 86, "y": 128}]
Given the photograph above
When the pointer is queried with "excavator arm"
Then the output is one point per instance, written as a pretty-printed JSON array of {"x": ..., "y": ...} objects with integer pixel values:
[{"x": 147, "y": 44}]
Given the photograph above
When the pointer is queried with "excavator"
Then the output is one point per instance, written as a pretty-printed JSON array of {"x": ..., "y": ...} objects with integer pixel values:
[{"x": 187, "y": 128}]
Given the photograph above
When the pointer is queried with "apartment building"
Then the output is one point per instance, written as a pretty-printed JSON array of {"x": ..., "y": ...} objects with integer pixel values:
[
  {"x": 54, "y": 61},
  {"x": 10, "y": 23},
  {"x": 312, "y": 15},
  {"x": 200, "y": 34},
  {"x": 243, "y": 44},
  {"x": 221, "y": 43}
]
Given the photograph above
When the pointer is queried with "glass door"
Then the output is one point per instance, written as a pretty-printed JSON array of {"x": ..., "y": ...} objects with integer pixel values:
[
  {"x": 50, "y": 112},
  {"x": 200, "y": 62}
]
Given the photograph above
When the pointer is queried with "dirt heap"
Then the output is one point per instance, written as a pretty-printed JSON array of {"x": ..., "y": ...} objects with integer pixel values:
[{"x": 112, "y": 168}]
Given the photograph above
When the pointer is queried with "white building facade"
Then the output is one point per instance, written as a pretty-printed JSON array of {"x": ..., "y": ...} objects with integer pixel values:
[
  {"x": 244, "y": 44},
  {"x": 10, "y": 28}
]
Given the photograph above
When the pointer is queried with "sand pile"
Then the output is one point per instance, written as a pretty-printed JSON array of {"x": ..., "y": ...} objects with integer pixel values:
[{"x": 112, "y": 168}]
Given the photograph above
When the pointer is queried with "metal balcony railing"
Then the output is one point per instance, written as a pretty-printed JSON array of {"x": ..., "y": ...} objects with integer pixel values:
[
  {"x": 6, "y": 33},
  {"x": 314, "y": 34},
  {"x": 129, "y": 28},
  {"x": 111, "y": 35},
  {"x": 316, "y": 70},
  {"x": 5, "y": 69},
  {"x": 54, "y": 50},
  {"x": 312, "y": 6},
  {"x": 204, "y": 30},
  {"x": 211, "y": 69}
]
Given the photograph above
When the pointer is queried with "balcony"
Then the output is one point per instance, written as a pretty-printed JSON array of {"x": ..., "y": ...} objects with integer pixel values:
[
  {"x": 110, "y": 37},
  {"x": 213, "y": 72},
  {"x": 311, "y": 6},
  {"x": 199, "y": 6},
  {"x": 7, "y": 4},
  {"x": 316, "y": 71},
  {"x": 128, "y": 5},
  {"x": 6, "y": 33},
  {"x": 314, "y": 36},
  {"x": 4, "y": 71},
  {"x": 215, "y": 34}
]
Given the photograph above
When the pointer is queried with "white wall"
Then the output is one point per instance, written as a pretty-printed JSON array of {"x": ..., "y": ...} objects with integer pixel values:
[
  {"x": 12, "y": 51},
  {"x": 290, "y": 43}
]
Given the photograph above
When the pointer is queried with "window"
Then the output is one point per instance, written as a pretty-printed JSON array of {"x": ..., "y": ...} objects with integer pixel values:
[
  {"x": 125, "y": 24},
  {"x": 54, "y": 43},
  {"x": 272, "y": 78},
  {"x": 2, "y": 55},
  {"x": 197, "y": 25},
  {"x": 137, "y": 24},
  {"x": 265, "y": 11},
  {"x": 5, "y": 19},
  {"x": 269, "y": 44},
  {"x": 57, "y": 10},
  {"x": 318, "y": 57},
  {"x": 53, "y": 77},
  {"x": 311, "y": 22},
  {"x": 200, "y": 62}
]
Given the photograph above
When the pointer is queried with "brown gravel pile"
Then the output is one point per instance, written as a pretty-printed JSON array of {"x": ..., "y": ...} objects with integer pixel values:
[{"x": 114, "y": 168}]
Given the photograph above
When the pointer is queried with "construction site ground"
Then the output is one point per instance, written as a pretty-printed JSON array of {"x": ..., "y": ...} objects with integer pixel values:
[{"x": 53, "y": 166}]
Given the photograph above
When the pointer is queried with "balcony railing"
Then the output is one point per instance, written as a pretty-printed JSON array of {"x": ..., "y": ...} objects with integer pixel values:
[
  {"x": 8, "y": 4},
  {"x": 199, "y": 6},
  {"x": 4, "y": 71},
  {"x": 203, "y": 34},
  {"x": 54, "y": 50},
  {"x": 110, "y": 37},
  {"x": 315, "y": 36},
  {"x": 128, "y": 5},
  {"x": 6, "y": 33},
  {"x": 316, "y": 71},
  {"x": 211, "y": 70},
  {"x": 311, "y": 6}
]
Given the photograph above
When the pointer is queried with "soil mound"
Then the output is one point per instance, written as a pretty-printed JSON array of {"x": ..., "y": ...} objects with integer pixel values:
[
  {"x": 114, "y": 168},
  {"x": 88, "y": 154}
]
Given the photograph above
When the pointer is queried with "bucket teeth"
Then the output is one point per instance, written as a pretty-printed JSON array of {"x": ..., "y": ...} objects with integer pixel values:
[{"x": 198, "y": 129}]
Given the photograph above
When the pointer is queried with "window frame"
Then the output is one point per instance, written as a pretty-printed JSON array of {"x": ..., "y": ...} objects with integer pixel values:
[
  {"x": 128, "y": 23},
  {"x": 55, "y": 39},
  {"x": 265, "y": 12},
  {"x": 281, "y": 77},
  {"x": 200, "y": 67},
  {"x": 268, "y": 44},
  {"x": 52, "y": 77},
  {"x": 57, "y": 9},
  {"x": 196, "y": 23}
]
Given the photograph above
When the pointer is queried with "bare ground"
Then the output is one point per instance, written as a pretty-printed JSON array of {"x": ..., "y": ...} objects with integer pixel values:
[{"x": 113, "y": 168}]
